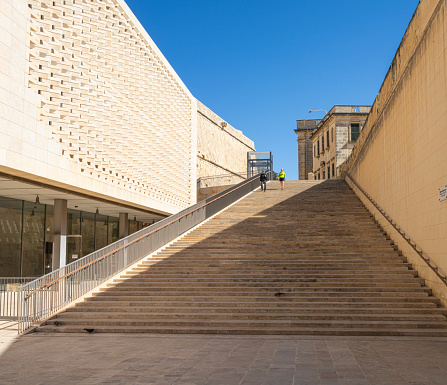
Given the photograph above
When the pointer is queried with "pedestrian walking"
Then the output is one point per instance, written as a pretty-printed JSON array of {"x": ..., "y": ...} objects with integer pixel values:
[
  {"x": 282, "y": 178},
  {"x": 263, "y": 181}
]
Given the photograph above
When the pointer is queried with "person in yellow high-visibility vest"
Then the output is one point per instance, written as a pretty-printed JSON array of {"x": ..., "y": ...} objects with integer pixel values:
[{"x": 282, "y": 178}]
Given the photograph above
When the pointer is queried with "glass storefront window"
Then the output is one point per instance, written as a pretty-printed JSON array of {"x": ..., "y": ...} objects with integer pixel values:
[
  {"x": 10, "y": 237},
  {"x": 26, "y": 236},
  {"x": 74, "y": 239},
  {"x": 133, "y": 227},
  {"x": 88, "y": 233},
  {"x": 101, "y": 231},
  {"x": 49, "y": 230},
  {"x": 33, "y": 232},
  {"x": 113, "y": 230},
  {"x": 73, "y": 222}
]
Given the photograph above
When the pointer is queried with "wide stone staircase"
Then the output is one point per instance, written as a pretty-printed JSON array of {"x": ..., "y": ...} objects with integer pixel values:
[{"x": 307, "y": 260}]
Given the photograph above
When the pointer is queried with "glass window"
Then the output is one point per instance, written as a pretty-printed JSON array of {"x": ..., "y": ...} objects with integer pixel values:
[
  {"x": 101, "y": 231},
  {"x": 327, "y": 138},
  {"x": 328, "y": 172},
  {"x": 333, "y": 169},
  {"x": 49, "y": 230},
  {"x": 73, "y": 222},
  {"x": 10, "y": 236},
  {"x": 34, "y": 238},
  {"x": 88, "y": 233},
  {"x": 113, "y": 231},
  {"x": 355, "y": 131},
  {"x": 322, "y": 142},
  {"x": 133, "y": 226}
]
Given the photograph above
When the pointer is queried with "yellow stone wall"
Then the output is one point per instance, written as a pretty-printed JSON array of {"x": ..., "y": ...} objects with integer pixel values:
[{"x": 401, "y": 156}]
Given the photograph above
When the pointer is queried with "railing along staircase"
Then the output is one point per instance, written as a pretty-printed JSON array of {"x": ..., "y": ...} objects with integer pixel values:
[
  {"x": 46, "y": 295},
  {"x": 306, "y": 260}
]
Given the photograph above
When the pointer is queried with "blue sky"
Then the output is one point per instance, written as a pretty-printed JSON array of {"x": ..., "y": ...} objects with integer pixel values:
[{"x": 261, "y": 65}]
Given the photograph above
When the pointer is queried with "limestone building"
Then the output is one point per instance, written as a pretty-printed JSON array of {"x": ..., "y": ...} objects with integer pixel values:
[
  {"x": 99, "y": 135},
  {"x": 334, "y": 139},
  {"x": 304, "y": 130}
]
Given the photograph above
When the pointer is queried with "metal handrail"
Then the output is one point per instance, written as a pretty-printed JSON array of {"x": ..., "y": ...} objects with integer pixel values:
[
  {"x": 48, "y": 294},
  {"x": 401, "y": 233}
]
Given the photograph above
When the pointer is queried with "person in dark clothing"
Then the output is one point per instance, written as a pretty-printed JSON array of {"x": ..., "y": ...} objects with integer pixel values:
[{"x": 263, "y": 181}]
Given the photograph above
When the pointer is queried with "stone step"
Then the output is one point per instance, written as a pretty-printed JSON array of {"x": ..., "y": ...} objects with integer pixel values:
[
  {"x": 231, "y": 290},
  {"x": 323, "y": 331},
  {"x": 288, "y": 297},
  {"x": 212, "y": 260},
  {"x": 276, "y": 324},
  {"x": 323, "y": 309},
  {"x": 298, "y": 254},
  {"x": 143, "y": 276},
  {"x": 131, "y": 285},
  {"x": 270, "y": 273},
  {"x": 183, "y": 257},
  {"x": 289, "y": 266},
  {"x": 127, "y": 315},
  {"x": 245, "y": 303}
]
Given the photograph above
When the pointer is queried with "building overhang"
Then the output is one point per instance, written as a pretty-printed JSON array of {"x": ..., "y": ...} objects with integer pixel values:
[{"x": 22, "y": 189}]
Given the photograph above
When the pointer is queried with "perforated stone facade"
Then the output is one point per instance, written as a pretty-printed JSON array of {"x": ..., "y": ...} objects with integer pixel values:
[{"x": 90, "y": 104}]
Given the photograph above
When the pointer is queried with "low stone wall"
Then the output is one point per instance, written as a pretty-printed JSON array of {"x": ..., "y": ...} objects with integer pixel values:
[
  {"x": 206, "y": 192},
  {"x": 221, "y": 150}
]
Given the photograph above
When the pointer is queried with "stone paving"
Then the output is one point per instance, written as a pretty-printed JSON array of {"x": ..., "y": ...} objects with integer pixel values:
[{"x": 220, "y": 360}]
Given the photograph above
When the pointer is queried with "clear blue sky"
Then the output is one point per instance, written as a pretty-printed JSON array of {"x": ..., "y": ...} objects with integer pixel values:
[{"x": 261, "y": 65}]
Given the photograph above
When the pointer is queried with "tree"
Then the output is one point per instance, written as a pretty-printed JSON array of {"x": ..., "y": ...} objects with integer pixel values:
[{"x": 275, "y": 175}]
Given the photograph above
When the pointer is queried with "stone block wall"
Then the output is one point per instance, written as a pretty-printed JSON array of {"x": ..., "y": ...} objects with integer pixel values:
[
  {"x": 221, "y": 151},
  {"x": 400, "y": 157}
]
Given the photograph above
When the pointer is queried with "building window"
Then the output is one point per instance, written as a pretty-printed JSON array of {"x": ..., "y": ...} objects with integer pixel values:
[
  {"x": 332, "y": 134},
  {"x": 322, "y": 143},
  {"x": 324, "y": 176},
  {"x": 333, "y": 169},
  {"x": 328, "y": 172},
  {"x": 318, "y": 148},
  {"x": 327, "y": 137},
  {"x": 318, "y": 176},
  {"x": 355, "y": 131}
]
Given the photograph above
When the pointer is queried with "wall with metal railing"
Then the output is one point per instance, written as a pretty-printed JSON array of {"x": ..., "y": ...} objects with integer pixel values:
[
  {"x": 435, "y": 277},
  {"x": 45, "y": 296}
]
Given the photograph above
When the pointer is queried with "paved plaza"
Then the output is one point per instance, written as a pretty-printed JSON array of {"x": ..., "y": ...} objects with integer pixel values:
[{"x": 219, "y": 360}]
